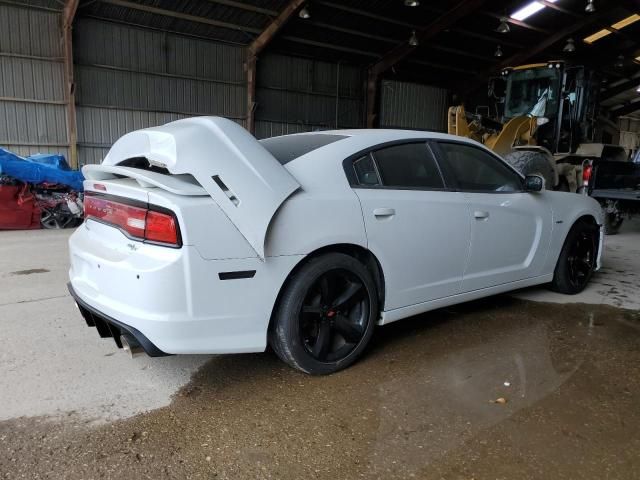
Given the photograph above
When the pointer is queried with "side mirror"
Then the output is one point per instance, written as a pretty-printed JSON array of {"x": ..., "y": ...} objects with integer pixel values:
[{"x": 533, "y": 183}]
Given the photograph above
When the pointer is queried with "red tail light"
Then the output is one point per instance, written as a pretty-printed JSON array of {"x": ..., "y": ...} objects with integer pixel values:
[
  {"x": 136, "y": 221},
  {"x": 161, "y": 227},
  {"x": 587, "y": 170}
]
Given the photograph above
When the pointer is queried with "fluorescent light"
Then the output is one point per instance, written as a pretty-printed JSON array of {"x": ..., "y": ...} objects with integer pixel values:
[
  {"x": 626, "y": 21},
  {"x": 596, "y": 36},
  {"x": 529, "y": 9}
]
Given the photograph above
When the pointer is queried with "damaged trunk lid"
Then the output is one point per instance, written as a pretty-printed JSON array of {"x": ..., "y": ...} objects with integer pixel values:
[{"x": 226, "y": 161}]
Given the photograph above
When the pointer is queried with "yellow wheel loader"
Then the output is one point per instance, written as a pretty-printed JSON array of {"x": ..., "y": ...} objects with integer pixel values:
[{"x": 548, "y": 123}]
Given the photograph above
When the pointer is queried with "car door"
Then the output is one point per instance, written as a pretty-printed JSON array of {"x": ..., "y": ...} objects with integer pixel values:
[
  {"x": 418, "y": 230},
  {"x": 510, "y": 228}
]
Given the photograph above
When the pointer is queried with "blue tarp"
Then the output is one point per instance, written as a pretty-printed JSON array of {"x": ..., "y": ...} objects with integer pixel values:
[{"x": 40, "y": 168}]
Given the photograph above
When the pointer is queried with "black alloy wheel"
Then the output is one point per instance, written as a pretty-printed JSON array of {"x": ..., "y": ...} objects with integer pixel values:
[
  {"x": 581, "y": 259},
  {"x": 56, "y": 218},
  {"x": 326, "y": 314},
  {"x": 333, "y": 316},
  {"x": 577, "y": 260}
]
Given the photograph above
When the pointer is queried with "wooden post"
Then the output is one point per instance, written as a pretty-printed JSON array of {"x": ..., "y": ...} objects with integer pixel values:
[
  {"x": 68, "y": 14},
  {"x": 254, "y": 49},
  {"x": 250, "y": 70}
]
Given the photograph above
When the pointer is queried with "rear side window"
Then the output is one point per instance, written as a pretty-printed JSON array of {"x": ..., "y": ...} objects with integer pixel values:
[
  {"x": 409, "y": 165},
  {"x": 365, "y": 171},
  {"x": 477, "y": 171},
  {"x": 290, "y": 147}
]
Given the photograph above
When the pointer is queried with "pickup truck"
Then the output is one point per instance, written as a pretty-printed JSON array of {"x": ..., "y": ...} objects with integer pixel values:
[{"x": 616, "y": 185}]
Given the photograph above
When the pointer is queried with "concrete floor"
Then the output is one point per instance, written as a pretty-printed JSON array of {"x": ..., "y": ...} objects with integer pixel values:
[{"x": 419, "y": 405}]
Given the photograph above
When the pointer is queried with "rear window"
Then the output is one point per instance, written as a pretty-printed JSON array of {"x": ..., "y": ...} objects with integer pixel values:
[{"x": 290, "y": 147}]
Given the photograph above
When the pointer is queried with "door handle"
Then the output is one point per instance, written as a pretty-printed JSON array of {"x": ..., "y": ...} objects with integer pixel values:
[
  {"x": 480, "y": 214},
  {"x": 384, "y": 212}
]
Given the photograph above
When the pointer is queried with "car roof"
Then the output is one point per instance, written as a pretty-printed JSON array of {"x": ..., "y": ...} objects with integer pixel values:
[{"x": 381, "y": 135}]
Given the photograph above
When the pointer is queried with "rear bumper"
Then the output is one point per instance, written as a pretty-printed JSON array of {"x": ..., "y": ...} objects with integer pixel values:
[
  {"x": 110, "y": 327},
  {"x": 173, "y": 301}
]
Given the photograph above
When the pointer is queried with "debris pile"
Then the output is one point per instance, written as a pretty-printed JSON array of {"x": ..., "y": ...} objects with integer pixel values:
[{"x": 39, "y": 191}]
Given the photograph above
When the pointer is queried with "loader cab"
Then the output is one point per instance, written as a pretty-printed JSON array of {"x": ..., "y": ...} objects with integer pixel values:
[
  {"x": 536, "y": 91},
  {"x": 562, "y": 97},
  {"x": 533, "y": 91}
]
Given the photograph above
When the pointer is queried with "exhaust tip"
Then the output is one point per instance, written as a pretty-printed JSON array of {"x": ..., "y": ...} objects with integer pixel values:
[{"x": 131, "y": 346}]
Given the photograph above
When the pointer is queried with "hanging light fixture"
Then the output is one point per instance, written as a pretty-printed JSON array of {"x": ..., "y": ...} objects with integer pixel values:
[
  {"x": 570, "y": 47},
  {"x": 413, "y": 39},
  {"x": 504, "y": 26},
  {"x": 619, "y": 62},
  {"x": 498, "y": 52},
  {"x": 590, "y": 8},
  {"x": 305, "y": 13},
  {"x": 411, "y": 3}
]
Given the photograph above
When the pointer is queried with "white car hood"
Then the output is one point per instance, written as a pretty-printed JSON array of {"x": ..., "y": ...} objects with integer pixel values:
[{"x": 241, "y": 176}]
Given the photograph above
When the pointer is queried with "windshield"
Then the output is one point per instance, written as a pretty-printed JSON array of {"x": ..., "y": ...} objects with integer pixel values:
[{"x": 532, "y": 92}]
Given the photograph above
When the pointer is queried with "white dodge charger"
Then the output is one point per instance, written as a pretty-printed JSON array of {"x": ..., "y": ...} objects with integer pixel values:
[{"x": 201, "y": 239}]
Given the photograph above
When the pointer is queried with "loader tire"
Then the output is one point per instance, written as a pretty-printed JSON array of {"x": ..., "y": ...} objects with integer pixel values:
[{"x": 529, "y": 162}]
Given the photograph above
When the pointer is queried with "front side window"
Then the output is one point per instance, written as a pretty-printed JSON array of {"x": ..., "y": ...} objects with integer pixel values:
[
  {"x": 477, "y": 171},
  {"x": 408, "y": 166}
]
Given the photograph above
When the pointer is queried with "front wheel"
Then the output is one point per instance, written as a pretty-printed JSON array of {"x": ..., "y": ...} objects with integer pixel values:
[
  {"x": 326, "y": 315},
  {"x": 577, "y": 260}
]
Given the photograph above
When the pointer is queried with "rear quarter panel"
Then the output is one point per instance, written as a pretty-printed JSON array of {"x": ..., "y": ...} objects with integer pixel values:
[{"x": 324, "y": 211}]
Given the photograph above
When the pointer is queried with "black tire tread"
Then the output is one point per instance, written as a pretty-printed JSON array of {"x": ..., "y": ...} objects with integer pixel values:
[
  {"x": 529, "y": 162},
  {"x": 560, "y": 282},
  {"x": 281, "y": 337}
]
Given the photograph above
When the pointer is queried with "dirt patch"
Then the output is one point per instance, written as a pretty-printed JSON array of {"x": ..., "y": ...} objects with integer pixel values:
[{"x": 30, "y": 271}]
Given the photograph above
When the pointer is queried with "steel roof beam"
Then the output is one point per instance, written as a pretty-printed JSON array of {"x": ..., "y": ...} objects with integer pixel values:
[
  {"x": 182, "y": 16},
  {"x": 620, "y": 88},
  {"x": 246, "y": 7},
  {"x": 403, "y": 50},
  {"x": 631, "y": 107}
]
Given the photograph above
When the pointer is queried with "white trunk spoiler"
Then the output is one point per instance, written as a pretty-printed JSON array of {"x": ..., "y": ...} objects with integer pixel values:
[
  {"x": 178, "y": 184},
  {"x": 241, "y": 176}
]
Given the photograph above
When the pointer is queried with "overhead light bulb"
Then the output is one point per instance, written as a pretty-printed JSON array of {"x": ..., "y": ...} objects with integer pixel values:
[
  {"x": 638, "y": 89},
  {"x": 413, "y": 39},
  {"x": 498, "y": 52},
  {"x": 305, "y": 13},
  {"x": 411, "y": 3},
  {"x": 590, "y": 8},
  {"x": 570, "y": 47},
  {"x": 504, "y": 26}
]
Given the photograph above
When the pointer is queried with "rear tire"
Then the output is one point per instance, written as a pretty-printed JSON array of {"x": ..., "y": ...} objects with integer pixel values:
[
  {"x": 326, "y": 315},
  {"x": 577, "y": 259},
  {"x": 532, "y": 162}
]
